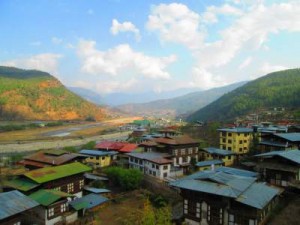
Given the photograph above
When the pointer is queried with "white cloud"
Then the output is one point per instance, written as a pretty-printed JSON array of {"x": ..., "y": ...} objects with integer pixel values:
[
  {"x": 114, "y": 85},
  {"x": 245, "y": 63},
  {"x": 56, "y": 40},
  {"x": 46, "y": 62},
  {"x": 211, "y": 13},
  {"x": 269, "y": 68},
  {"x": 176, "y": 23},
  {"x": 120, "y": 60},
  {"x": 204, "y": 79},
  {"x": 127, "y": 26}
]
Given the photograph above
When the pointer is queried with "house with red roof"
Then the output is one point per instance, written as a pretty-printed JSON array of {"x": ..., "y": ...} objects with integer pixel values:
[{"x": 121, "y": 147}]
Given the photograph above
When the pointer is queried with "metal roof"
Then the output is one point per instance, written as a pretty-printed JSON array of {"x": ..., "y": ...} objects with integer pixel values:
[
  {"x": 98, "y": 153},
  {"x": 237, "y": 172},
  {"x": 258, "y": 195},
  {"x": 56, "y": 172},
  {"x": 48, "y": 197},
  {"x": 88, "y": 201},
  {"x": 14, "y": 202},
  {"x": 237, "y": 130},
  {"x": 242, "y": 189},
  {"x": 291, "y": 155},
  {"x": 94, "y": 177},
  {"x": 273, "y": 143},
  {"x": 21, "y": 184},
  {"x": 293, "y": 137},
  {"x": 96, "y": 190},
  {"x": 209, "y": 163},
  {"x": 218, "y": 151},
  {"x": 156, "y": 157}
]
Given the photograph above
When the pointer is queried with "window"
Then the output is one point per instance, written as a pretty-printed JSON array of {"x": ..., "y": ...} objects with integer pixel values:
[
  {"x": 245, "y": 148},
  {"x": 208, "y": 212},
  {"x": 81, "y": 184},
  {"x": 245, "y": 141},
  {"x": 229, "y": 157},
  {"x": 241, "y": 142},
  {"x": 63, "y": 207},
  {"x": 157, "y": 167},
  {"x": 165, "y": 174},
  {"x": 229, "y": 141},
  {"x": 57, "y": 188},
  {"x": 224, "y": 140},
  {"x": 17, "y": 223},
  {"x": 50, "y": 212},
  {"x": 182, "y": 151},
  {"x": 103, "y": 157},
  {"x": 240, "y": 149},
  {"x": 175, "y": 152},
  {"x": 165, "y": 167},
  {"x": 153, "y": 166},
  {"x": 190, "y": 151},
  {"x": 229, "y": 134},
  {"x": 229, "y": 148},
  {"x": 70, "y": 188},
  {"x": 231, "y": 219},
  {"x": 251, "y": 222}
]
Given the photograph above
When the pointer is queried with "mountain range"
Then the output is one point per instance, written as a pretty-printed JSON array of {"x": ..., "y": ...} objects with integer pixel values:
[
  {"x": 36, "y": 95},
  {"x": 278, "y": 89}
]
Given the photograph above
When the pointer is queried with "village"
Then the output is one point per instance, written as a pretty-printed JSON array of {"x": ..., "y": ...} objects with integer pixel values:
[{"x": 243, "y": 180}]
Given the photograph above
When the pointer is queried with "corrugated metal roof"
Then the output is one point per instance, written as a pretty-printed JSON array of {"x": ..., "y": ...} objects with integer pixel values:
[
  {"x": 96, "y": 190},
  {"x": 237, "y": 130},
  {"x": 237, "y": 172},
  {"x": 209, "y": 163},
  {"x": 21, "y": 184},
  {"x": 94, "y": 177},
  {"x": 155, "y": 157},
  {"x": 48, "y": 197},
  {"x": 273, "y": 143},
  {"x": 258, "y": 195},
  {"x": 14, "y": 202},
  {"x": 291, "y": 155},
  {"x": 88, "y": 201},
  {"x": 218, "y": 151},
  {"x": 243, "y": 189},
  {"x": 56, "y": 172},
  {"x": 98, "y": 152},
  {"x": 293, "y": 137}
]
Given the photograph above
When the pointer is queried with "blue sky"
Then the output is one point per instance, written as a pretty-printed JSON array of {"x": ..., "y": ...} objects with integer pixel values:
[{"x": 137, "y": 46}]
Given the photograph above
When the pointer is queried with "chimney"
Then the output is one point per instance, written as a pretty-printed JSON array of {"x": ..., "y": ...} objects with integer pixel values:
[{"x": 212, "y": 167}]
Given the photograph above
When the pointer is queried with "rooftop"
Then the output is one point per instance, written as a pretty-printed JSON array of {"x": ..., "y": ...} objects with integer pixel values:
[
  {"x": 46, "y": 174},
  {"x": 88, "y": 201},
  {"x": 14, "y": 202},
  {"x": 291, "y": 155},
  {"x": 116, "y": 146},
  {"x": 242, "y": 189},
  {"x": 237, "y": 130},
  {"x": 159, "y": 158},
  {"x": 293, "y": 137},
  {"x": 98, "y": 152},
  {"x": 209, "y": 163},
  {"x": 48, "y": 197},
  {"x": 176, "y": 140},
  {"x": 218, "y": 151},
  {"x": 21, "y": 184}
]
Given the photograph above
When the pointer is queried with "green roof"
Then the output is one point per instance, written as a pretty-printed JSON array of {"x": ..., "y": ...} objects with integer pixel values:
[
  {"x": 47, "y": 197},
  {"x": 56, "y": 152},
  {"x": 21, "y": 184},
  {"x": 46, "y": 174}
]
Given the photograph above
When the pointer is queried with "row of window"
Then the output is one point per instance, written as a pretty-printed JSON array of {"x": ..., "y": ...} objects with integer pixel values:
[
  {"x": 185, "y": 151},
  {"x": 63, "y": 208}
]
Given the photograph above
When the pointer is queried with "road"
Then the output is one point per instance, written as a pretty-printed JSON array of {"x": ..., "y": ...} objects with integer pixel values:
[{"x": 39, "y": 145}]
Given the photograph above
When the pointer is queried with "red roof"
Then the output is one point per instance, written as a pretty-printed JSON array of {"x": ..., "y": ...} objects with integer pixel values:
[
  {"x": 116, "y": 146},
  {"x": 176, "y": 140}
]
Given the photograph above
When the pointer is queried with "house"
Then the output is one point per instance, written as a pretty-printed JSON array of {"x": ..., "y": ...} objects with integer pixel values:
[
  {"x": 236, "y": 139},
  {"x": 67, "y": 178},
  {"x": 121, "y": 147},
  {"x": 216, "y": 197},
  {"x": 54, "y": 207},
  {"x": 48, "y": 158},
  {"x": 99, "y": 159},
  {"x": 280, "y": 141},
  {"x": 209, "y": 164},
  {"x": 16, "y": 208},
  {"x": 151, "y": 163},
  {"x": 212, "y": 153},
  {"x": 280, "y": 168},
  {"x": 181, "y": 149}
]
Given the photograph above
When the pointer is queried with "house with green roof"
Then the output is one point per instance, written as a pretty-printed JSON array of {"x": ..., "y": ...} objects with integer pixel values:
[
  {"x": 54, "y": 207},
  {"x": 67, "y": 178},
  {"x": 219, "y": 197}
]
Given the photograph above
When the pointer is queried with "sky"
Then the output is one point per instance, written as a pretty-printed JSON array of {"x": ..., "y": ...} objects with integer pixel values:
[{"x": 136, "y": 46}]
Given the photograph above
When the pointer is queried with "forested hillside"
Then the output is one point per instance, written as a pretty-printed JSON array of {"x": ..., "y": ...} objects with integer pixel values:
[
  {"x": 278, "y": 89},
  {"x": 36, "y": 95}
]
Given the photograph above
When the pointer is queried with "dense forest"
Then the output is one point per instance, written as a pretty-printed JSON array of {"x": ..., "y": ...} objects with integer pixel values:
[
  {"x": 36, "y": 95},
  {"x": 278, "y": 89}
]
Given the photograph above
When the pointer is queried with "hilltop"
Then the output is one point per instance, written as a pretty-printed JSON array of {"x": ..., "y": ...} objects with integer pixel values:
[
  {"x": 184, "y": 104},
  {"x": 36, "y": 95},
  {"x": 278, "y": 89}
]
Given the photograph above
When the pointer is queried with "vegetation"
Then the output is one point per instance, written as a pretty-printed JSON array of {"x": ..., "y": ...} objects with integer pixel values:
[
  {"x": 127, "y": 179},
  {"x": 279, "y": 89},
  {"x": 36, "y": 95}
]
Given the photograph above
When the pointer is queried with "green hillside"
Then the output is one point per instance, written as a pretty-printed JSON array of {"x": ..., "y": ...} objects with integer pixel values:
[
  {"x": 180, "y": 105},
  {"x": 278, "y": 89},
  {"x": 36, "y": 95}
]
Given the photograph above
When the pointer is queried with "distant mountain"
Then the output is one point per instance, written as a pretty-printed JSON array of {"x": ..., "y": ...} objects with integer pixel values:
[
  {"x": 115, "y": 99},
  {"x": 180, "y": 105},
  {"x": 88, "y": 95},
  {"x": 278, "y": 89},
  {"x": 36, "y": 95}
]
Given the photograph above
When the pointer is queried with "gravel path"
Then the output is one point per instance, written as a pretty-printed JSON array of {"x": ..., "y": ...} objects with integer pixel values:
[{"x": 39, "y": 145}]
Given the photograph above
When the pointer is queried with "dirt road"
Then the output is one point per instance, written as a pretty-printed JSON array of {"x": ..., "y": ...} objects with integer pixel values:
[{"x": 38, "y": 145}]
